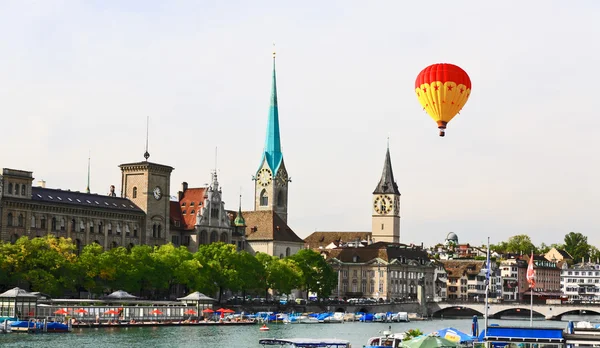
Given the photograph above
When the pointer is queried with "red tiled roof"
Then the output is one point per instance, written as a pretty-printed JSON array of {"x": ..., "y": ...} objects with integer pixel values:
[
  {"x": 175, "y": 215},
  {"x": 195, "y": 196},
  {"x": 267, "y": 225},
  {"x": 322, "y": 239}
]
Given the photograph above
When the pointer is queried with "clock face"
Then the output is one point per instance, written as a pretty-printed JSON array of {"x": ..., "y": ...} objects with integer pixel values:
[
  {"x": 383, "y": 204},
  {"x": 265, "y": 177},
  {"x": 157, "y": 192}
]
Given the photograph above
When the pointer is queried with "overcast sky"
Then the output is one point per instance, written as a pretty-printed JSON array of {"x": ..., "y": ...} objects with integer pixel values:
[{"x": 521, "y": 158}]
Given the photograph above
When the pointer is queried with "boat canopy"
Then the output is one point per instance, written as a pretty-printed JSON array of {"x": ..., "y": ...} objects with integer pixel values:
[
  {"x": 523, "y": 334},
  {"x": 306, "y": 342}
]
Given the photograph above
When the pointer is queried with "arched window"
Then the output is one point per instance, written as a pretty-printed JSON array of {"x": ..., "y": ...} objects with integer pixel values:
[
  {"x": 203, "y": 237},
  {"x": 62, "y": 224},
  {"x": 127, "y": 231},
  {"x": 20, "y": 220},
  {"x": 23, "y": 190},
  {"x": 288, "y": 251},
  {"x": 9, "y": 219},
  {"x": 224, "y": 237},
  {"x": 17, "y": 189},
  {"x": 100, "y": 230},
  {"x": 73, "y": 225},
  {"x": 43, "y": 222},
  {"x": 109, "y": 228},
  {"x": 118, "y": 228},
  {"x": 134, "y": 192},
  {"x": 214, "y": 237},
  {"x": 53, "y": 224},
  {"x": 264, "y": 198},
  {"x": 159, "y": 231},
  {"x": 281, "y": 256},
  {"x": 33, "y": 221},
  {"x": 154, "y": 231},
  {"x": 10, "y": 188},
  {"x": 280, "y": 201},
  {"x": 91, "y": 227}
]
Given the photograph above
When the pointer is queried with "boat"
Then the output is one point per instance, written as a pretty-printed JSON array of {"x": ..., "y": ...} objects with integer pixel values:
[
  {"x": 400, "y": 317},
  {"x": 386, "y": 339},
  {"x": 264, "y": 328},
  {"x": 305, "y": 342},
  {"x": 337, "y": 317}
]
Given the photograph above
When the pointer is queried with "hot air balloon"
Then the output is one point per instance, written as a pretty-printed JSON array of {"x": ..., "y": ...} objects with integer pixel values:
[{"x": 443, "y": 89}]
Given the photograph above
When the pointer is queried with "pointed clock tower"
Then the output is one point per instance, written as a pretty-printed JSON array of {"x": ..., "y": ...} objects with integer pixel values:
[
  {"x": 271, "y": 179},
  {"x": 386, "y": 206}
]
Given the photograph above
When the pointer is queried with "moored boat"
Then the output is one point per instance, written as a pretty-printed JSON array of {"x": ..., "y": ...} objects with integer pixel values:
[
  {"x": 305, "y": 342},
  {"x": 386, "y": 339}
]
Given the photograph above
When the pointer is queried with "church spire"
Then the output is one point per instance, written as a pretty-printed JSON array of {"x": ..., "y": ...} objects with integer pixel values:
[
  {"x": 387, "y": 184},
  {"x": 87, "y": 190},
  {"x": 273, "y": 142}
]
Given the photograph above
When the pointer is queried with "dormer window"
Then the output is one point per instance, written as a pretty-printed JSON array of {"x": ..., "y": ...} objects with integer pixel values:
[
  {"x": 191, "y": 204},
  {"x": 355, "y": 258},
  {"x": 183, "y": 204}
]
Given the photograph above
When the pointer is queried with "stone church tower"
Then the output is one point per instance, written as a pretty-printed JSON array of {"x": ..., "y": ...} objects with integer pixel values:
[
  {"x": 271, "y": 179},
  {"x": 386, "y": 206}
]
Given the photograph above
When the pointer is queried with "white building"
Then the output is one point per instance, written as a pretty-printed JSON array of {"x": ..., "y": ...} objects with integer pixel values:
[{"x": 581, "y": 282}]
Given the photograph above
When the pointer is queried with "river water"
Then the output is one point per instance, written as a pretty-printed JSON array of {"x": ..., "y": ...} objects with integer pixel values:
[{"x": 236, "y": 336}]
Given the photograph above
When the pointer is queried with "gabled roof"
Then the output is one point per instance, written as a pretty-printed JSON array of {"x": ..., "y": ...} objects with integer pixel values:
[
  {"x": 322, "y": 239},
  {"x": 191, "y": 201},
  {"x": 458, "y": 268},
  {"x": 388, "y": 252},
  {"x": 268, "y": 226},
  {"x": 74, "y": 198},
  {"x": 175, "y": 216}
]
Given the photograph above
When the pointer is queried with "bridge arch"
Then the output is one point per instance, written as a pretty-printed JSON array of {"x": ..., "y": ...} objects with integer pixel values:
[
  {"x": 582, "y": 311},
  {"x": 456, "y": 311},
  {"x": 517, "y": 311},
  {"x": 364, "y": 310}
]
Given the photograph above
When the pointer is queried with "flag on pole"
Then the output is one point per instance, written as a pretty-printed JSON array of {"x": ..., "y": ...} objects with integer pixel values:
[
  {"x": 531, "y": 273},
  {"x": 487, "y": 265}
]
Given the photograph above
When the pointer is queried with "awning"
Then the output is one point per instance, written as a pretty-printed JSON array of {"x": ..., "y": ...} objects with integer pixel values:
[{"x": 524, "y": 334}]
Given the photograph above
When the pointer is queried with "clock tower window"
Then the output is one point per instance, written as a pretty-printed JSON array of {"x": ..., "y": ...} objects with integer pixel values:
[
  {"x": 134, "y": 192},
  {"x": 280, "y": 199},
  {"x": 154, "y": 231},
  {"x": 264, "y": 198}
]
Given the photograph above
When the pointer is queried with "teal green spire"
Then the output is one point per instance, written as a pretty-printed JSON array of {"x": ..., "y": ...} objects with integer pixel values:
[
  {"x": 239, "y": 219},
  {"x": 273, "y": 142}
]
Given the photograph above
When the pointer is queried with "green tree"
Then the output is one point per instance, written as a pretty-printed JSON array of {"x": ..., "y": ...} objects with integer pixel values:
[
  {"x": 520, "y": 244},
  {"x": 218, "y": 265},
  {"x": 317, "y": 275},
  {"x": 577, "y": 245}
]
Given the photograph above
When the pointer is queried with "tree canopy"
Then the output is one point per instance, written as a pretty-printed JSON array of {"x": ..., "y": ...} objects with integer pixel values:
[{"x": 50, "y": 265}]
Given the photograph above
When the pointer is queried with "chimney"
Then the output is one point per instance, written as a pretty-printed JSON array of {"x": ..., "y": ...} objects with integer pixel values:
[
  {"x": 42, "y": 183},
  {"x": 184, "y": 187}
]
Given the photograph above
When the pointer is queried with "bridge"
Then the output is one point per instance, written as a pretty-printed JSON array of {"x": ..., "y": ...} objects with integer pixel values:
[{"x": 495, "y": 310}]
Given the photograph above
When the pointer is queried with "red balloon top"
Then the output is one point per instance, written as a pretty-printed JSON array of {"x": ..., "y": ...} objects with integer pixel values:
[{"x": 443, "y": 72}]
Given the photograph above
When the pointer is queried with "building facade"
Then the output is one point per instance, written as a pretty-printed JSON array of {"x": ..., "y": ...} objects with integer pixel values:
[
  {"x": 387, "y": 271},
  {"x": 36, "y": 211},
  {"x": 581, "y": 282}
]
